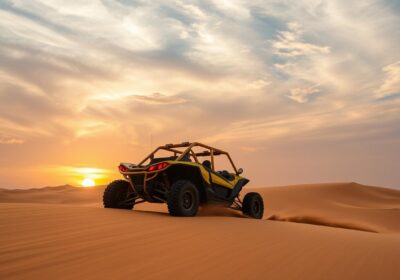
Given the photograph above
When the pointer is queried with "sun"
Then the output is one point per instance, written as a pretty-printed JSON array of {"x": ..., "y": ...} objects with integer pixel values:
[{"x": 88, "y": 182}]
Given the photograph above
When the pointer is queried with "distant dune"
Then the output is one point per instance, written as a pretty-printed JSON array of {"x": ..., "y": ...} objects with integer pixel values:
[
  {"x": 55, "y": 195},
  {"x": 319, "y": 231}
]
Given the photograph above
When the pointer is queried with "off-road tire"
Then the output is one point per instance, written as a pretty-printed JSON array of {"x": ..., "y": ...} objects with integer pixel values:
[
  {"x": 183, "y": 199},
  {"x": 116, "y": 193},
  {"x": 253, "y": 205}
]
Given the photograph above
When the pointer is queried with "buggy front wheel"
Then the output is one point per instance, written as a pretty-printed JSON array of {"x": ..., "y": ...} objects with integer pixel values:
[{"x": 253, "y": 205}]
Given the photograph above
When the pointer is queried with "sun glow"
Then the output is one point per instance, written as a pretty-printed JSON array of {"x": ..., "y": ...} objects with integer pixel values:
[
  {"x": 88, "y": 182},
  {"x": 84, "y": 176}
]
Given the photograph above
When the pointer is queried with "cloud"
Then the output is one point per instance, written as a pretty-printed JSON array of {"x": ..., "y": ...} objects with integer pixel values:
[
  {"x": 291, "y": 44},
  {"x": 27, "y": 112},
  {"x": 302, "y": 95},
  {"x": 258, "y": 84},
  {"x": 364, "y": 122},
  {"x": 10, "y": 140},
  {"x": 159, "y": 98},
  {"x": 391, "y": 85}
]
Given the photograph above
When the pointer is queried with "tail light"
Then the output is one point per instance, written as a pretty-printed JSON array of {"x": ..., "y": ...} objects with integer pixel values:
[
  {"x": 123, "y": 168},
  {"x": 158, "y": 166}
]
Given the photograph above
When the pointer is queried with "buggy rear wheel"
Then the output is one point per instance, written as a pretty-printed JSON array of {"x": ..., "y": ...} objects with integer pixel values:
[
  {"x": 253, "y": 205},
  {"x": 116, "y": 195},
  {"x": 183, "y": 199}
]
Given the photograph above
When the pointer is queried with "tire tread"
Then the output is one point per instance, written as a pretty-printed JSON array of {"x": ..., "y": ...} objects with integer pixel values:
[
  {"x": 173, "y": 201},
  {"x": 110, "y": 194},
  {"x": 248, "y": 201}
]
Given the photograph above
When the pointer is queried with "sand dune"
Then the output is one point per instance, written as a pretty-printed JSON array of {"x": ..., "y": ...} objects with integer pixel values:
[
  {"x": 347, "y": 205},
  {"x": 63, "y": 233},
  {"x": 55, "y": 195}
]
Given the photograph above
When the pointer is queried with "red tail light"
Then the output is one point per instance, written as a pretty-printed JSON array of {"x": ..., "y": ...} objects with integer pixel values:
[
  {"x": 158, "y": 166},
  {"x": 123, "y": 168}
]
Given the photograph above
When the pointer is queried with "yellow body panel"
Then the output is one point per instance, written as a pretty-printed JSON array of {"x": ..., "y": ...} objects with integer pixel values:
[
  {"x": 220, "y": 181},
  {"x": 214, "y": 178}
]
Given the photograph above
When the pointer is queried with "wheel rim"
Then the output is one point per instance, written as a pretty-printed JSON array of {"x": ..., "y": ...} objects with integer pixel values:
[{"x": 187, "y": 200}]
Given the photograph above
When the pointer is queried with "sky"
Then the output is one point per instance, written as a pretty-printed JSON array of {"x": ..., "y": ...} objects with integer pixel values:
[{"x": 300, "y": 91}]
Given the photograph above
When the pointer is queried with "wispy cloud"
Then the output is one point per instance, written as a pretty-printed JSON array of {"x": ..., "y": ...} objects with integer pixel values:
[
  {"x": 391, "y": 85},
  {"x": 101, "y": 59},
  {"x": 159, "y": 98},
  {"x": 290, "y": 43},
  {"x": 302, "y": 95},
  {"x": 9, "y": 140}
]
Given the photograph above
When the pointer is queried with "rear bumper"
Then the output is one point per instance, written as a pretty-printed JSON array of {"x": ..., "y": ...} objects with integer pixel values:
[{"x": 141, "y": 183}]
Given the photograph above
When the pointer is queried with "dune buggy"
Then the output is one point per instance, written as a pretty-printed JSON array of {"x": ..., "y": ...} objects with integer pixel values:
[{"x": 184, "y": 176}]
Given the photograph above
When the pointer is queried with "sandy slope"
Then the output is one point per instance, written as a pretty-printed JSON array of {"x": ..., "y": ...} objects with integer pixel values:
[
  {"x": 73, "y": 238},
  {"x": 347, "y": 205}
]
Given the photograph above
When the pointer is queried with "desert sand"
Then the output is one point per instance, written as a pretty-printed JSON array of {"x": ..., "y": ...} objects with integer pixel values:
[{"x": 319, "y": 231}]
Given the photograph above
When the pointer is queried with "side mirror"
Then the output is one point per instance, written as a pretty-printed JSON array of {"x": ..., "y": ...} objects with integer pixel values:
[{"x": 240, "y": 171}]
